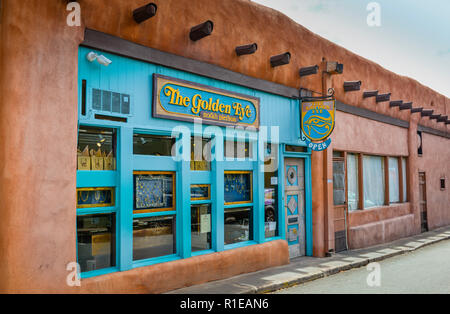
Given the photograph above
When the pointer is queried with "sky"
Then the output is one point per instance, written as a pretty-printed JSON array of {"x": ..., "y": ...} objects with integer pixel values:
[{"x": 413, "y": 38}]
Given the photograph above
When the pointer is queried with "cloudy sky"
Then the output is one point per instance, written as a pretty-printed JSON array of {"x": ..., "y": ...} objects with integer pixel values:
[{"x": 413, "y": 38}]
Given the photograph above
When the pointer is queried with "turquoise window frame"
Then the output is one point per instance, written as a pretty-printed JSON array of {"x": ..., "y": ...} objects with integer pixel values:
[
  {"x": 280, "y": 190},
  {"x": 140, "y": 121},
  {"x": 94, "y": 179}
]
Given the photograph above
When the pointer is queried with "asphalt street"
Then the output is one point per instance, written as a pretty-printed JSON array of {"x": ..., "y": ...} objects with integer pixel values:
[{"x": 426, "y": 270}]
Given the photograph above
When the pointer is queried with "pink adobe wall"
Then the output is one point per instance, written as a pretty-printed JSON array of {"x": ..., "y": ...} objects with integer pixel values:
[
  {"x": 357, "y": 134},
  {"x": 435, "y": 162},
  {"x": 163, "y": 277},
  {"x": 38, "y": 122}
]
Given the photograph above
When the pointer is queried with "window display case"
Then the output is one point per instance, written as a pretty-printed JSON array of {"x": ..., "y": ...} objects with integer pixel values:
[
  {"x": 96, "y": 149},
  {"x": 154, "y": 191},
  {"x": 96, "y": 241}
]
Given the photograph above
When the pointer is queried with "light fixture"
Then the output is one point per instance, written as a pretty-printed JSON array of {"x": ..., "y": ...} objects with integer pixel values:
[
  {"x": 395, "y": 103},
  {"x": 308, "y": 70},
  {"x": 370, "y": 93},
  {"x": 202, "y": 30},
  {"x": 280, "y": 59},
  {"x": 426, "y": 113},
  {"x": 383, "y": 97},
  {"x": 246, "y": 49},
  {"x": 351, "y": 86},
  {"x": 92, "y": 56},
  {"x": 144, "y": 13},
  {"x": 334, "y": 67},
  {"x": 406, "y": 105}
]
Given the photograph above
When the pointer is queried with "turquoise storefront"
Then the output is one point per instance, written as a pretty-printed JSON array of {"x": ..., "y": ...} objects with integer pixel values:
[{"x": 145, "y": 195}]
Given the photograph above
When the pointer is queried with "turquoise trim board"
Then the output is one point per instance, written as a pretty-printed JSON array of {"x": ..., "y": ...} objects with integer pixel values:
[{"x": 125, "y": 90}]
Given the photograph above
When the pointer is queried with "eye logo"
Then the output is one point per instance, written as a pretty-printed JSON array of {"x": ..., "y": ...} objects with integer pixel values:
[{"x": 318, "y": 119}]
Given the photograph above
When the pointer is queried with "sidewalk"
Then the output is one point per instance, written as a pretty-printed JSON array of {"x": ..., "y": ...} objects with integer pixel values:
[{"x": 305, "y": 269}]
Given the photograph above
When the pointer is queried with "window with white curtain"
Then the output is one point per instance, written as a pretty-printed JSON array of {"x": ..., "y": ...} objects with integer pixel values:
[
  {"x": 373, "y": 174},
  {"x": 394, "y": 183},
  {"x": 352, "y": 181},
  {"x": 405, "y": 196}
]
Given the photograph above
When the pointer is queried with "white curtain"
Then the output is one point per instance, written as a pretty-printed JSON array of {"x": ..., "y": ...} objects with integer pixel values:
[
  {"x": 373, "y": 173},
  {"x": 352, "y": 181},
  {"x": 405, "y": 197},
  {"x": 394, "y": 185}
]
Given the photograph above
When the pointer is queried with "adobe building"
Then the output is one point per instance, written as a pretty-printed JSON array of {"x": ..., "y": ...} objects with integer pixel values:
[{"x": 101, "y": 126}]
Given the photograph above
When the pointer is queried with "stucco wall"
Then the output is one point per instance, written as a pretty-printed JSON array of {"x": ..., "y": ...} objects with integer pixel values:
[
  {"x": 435, "y": 162},
  {"x": 38, "y": 122},
  {"x": 357, "y": 134},
  {"x": 380, "y": 225},
  {"x": 195, "y": 270}
]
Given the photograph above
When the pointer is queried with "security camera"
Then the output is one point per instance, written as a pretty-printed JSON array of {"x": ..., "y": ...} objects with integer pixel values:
[
  {"x": 92, "y": 56},
  {"x": 103, "y": 60}
]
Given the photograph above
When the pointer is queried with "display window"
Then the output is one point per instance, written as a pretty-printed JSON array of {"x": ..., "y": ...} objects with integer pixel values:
[
  {"x": 96, "y": 241},
  {"x": 153, "y": 145},
  {"x": 96, "y": 149},
  {"x": 270, "y": 202},
  {"x": 200, "y": 192},
  {"x": 95, "y": 197},
  {"x": 200, "y": 227},
  {"x": 238, "y": 225},
  {"x": 154, "y": 237},
  {"x": 200, "y": 154},
  {"x": 237, "y": 150},
  {"x": 238, "y": 187},
  {"x": 154, "y": 191}
]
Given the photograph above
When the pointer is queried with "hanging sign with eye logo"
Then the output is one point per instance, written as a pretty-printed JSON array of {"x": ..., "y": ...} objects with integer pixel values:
[{"x": 318, "y": 118}]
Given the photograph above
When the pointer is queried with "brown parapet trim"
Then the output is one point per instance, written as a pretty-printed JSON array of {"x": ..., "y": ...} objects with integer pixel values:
[
  {"x": 432, "y": 131},
  {"x": 372, "y": 115}
]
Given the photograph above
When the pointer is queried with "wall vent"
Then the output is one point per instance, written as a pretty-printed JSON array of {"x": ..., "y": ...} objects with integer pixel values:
[{"x": 110, "y": 102}]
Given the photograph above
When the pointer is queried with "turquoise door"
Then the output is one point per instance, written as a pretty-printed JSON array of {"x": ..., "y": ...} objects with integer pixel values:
[{"x": 295, "y": 206}]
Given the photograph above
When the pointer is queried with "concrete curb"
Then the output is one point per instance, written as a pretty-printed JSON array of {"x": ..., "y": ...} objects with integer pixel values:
[
  {"x": 351, "y": 265},
  {"x": 307, "y": 269}
]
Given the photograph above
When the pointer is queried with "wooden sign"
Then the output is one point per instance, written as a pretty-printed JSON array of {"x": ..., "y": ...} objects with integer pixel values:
[{"x": 186, "y": 101}]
